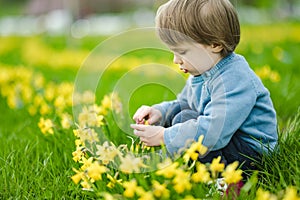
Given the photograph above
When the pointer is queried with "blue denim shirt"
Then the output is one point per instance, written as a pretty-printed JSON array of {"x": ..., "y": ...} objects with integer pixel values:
[{"x": 228, "y": 97}]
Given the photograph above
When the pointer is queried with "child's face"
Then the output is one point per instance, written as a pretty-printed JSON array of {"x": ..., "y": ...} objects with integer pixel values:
[{"x": 195, "y": 58}]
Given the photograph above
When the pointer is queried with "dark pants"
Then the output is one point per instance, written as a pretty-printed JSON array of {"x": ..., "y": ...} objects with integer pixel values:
[{"x": 236, "y": 150}]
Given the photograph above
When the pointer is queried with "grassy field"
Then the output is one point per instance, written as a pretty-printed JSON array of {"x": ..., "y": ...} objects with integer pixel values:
[{"x": 35, "y": 71}]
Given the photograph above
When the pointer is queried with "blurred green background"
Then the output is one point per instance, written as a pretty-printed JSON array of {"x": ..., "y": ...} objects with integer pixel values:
[
  {"x": 93, "y": 17},
  {"x": 55, "y": 37}
]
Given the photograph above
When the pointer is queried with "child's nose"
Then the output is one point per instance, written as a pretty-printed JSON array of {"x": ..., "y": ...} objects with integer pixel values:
[{"x": 177, "y": 60}]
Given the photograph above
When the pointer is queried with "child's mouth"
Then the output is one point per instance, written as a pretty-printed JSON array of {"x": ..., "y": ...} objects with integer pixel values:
[{"x": 184, "y": 70}]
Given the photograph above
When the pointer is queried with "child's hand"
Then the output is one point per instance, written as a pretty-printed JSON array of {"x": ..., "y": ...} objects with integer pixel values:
[
  {"x": 150, "y": 135},
  {"x": 146, "y": 112}
]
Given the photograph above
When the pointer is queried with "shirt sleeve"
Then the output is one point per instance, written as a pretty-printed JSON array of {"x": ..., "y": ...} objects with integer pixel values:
[
  {"x": 180, "y": 102},
  {"x": 232, "y": 97}
]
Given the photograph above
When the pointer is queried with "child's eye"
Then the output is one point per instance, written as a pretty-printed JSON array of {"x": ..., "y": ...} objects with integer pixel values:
[{"x": 181, "y": 52}]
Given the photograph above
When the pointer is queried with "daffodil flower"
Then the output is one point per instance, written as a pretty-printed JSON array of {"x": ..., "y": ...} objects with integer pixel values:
[
  {"x": 46, "y": 126},
  {"x": 264, "y": 195},
  {"x": 130, "y": 164},
  {"x": 113, "y": 180},
  {"x": 95, "y": 171},
  {"x": 216, "y": 166},
  {"x": 202, "y": 174},
  {"x": 130, "y": 188},
  {"x": 291, "y": 194},
  {"x": 231, "y": 174},
  {"x": 160, "y": 190},
  {"x": 106, "y": 153}
]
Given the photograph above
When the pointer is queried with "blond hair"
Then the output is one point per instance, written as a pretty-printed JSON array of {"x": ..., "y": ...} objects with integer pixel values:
[{"x": 208, "y": 22}]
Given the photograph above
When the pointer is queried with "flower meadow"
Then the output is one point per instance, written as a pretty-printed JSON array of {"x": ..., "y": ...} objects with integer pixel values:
[{"x": 61, "y": 143}]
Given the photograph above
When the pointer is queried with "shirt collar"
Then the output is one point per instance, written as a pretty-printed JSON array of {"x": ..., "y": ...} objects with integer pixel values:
[
  {"x": 206, "y": 75},
  {"x": 197, "y": 79}
]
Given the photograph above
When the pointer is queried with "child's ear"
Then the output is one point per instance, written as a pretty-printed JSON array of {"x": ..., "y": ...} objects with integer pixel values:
[{"x": 216, "y": 48}]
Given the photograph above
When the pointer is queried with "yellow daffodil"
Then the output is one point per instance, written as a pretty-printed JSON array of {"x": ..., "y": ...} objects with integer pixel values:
[
  {"x": 107, "y": 196},
  {"x": 274, "y": 77},
  {"x": 167, "y": 162},
  {"x": 86, "y": 135},
  {"x": 45, "y": 109},
  {"x": 106, "y": 102},
  {"x": 83, "y": 117},
  {"x": 50, "y": 91},
  {"x": 264, "y": 195},
  {"x": 46, "y": 126},
  {"x": 12, "y": 101},
  {"x": 89, "y": 118},
  {"x": 216, "y": 166},
  {"x": 181, "y": 181},
  {"x": 113, "y": 180},
  {"x": 86, "y": 184},
  {"x": 86, "y": 163},
  {"x": 6, "y": 90},
  {"x": 66, "y": 121},
  {"x": 95, "y": 171},
  {"x": 199, "y": 147},
  {"x": 202, "y": 174},
  {"x": 130, "y": 188},
  {"x": 116, "y": 103},
  {"x": 106, "y": 153},
  {"x": 78, "y": 154},
  {"x": 190, "y": 154},
  {"x": 266, "y": 72},
  {"x": 291, "y": 194},
  {"x": 130, "y": 164},
  {"x": 38, "y": 100},
  {"x": 231, "y": 174},
  {"x": 88, "y": 97},
  {"x": 78, "y": 143},
  {"x": 32, "y": 110},
  {"x": 60, "y": 102},
  {"x": 169, "y": 171},
  {"x": 65, "y": 89},
  {"x": 95, "y": 108},
  {"x": 194, "y": 150},
  {"x": 140, "y": 192},
  {"x": 38, "y": 81},
  {"x": 77, "y": 177},
  {"x": 147, "y": 196},
  {"x": 189, "y": 197},
  {"x": 27, "y": 94},
  {"x": 160, "y": 190}
]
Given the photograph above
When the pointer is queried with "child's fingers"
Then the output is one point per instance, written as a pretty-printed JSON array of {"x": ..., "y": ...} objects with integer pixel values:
[
  {"x": 138, "y": 133},
  {"x": 138, "y": 127},
  {"x": 152, "y": 120},
  {"x": 139, "y": 130},
  {"x": 136, "y": 114},
  {"x": 140, "y": 113},
  {"x": 145, "y": 113},
  {"x": 145, "y": 110}
]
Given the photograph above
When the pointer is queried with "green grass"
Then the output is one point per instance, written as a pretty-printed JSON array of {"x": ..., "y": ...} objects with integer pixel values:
[
  {"x": 34, "y": 166},
  {"x": 31, "y": 166},
  {"x": 281, "y": 168}
]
